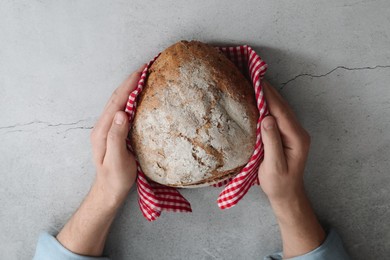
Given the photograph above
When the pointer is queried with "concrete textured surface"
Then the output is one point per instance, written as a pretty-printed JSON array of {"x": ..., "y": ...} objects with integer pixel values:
[{"x": 60, "y": 61}]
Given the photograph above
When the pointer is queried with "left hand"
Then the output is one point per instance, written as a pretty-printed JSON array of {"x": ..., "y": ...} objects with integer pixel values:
[
  {"x": 116, "y": 166},
  {"x": 286, "y": 148}
]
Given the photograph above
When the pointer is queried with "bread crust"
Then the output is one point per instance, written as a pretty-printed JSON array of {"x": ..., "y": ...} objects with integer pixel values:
[{"x": 195, "y": 123}]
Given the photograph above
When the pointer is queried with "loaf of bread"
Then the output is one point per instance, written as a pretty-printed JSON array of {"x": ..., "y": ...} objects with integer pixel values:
[{"x": 195, "y": 123}]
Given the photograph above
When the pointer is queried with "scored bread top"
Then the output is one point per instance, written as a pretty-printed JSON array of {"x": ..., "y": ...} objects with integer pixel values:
[{"x": 195, "y": 122}]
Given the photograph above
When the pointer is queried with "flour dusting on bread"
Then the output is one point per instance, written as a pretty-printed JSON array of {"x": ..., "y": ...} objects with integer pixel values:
[{"x": 191, "y": 126}]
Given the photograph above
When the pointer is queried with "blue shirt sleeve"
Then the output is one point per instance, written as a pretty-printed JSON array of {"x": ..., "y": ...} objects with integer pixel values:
[
  {"x": 332, "y": 248},
  {"x": 48, "y": 248}
]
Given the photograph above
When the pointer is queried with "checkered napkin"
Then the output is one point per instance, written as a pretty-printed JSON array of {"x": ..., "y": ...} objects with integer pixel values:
[{"x": 155, "y": 198}]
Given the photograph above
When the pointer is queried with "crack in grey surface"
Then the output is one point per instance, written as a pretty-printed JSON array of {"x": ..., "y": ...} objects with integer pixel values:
[
  {"x": 14, "y": 131},
  {"x": 283, "y": 85},
  {"x": 48, "y": 124},
  {"x": 80, "y": 127},
  {"x": 357, "y": 3}
]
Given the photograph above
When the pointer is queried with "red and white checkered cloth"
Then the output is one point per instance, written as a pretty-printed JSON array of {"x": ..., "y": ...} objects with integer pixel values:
[{"x": 155, "y": 198}]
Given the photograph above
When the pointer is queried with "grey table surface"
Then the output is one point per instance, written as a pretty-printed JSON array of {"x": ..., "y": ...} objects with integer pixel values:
[{"x": 60, "y": 61}]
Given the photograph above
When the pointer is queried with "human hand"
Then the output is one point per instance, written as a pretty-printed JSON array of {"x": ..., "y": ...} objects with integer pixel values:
[
  {"x": 86, "y": 231},
  {"x": 286, "y": 147},
  {"x": 116, "y": 166}
]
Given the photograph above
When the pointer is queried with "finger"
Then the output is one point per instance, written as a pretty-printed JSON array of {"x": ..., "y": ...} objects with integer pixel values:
[
  {"x": 290, "y": 129},
  {"x": 116, "y": 103},
  {"x": 118, "y": 99},
  {"x": 273, "y": 146},
  {"x": 279, "y": 105},
  {"x": 116, "y": 138}
]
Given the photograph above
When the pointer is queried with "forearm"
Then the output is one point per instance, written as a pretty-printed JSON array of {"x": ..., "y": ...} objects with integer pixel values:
[
  {"x": 301, "y": 232},
  {"x": 86, "y": 232}
]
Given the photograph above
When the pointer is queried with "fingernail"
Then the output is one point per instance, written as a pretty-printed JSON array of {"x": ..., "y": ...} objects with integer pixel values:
[
  {"x": 268, "y": 123},
  {"x": 119, "y": 118}
]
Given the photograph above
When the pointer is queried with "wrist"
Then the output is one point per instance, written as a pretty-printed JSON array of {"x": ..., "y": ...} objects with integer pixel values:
[
  {"x": 288, "y": 197},
  {"x": 291, "y": 207},
  {"x": 108, "y": 199},
  {"x": 300, "y": 229}
]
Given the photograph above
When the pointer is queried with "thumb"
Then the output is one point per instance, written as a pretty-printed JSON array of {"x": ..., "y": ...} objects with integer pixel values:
[
  {"x": 116, "y": 139},
  {"x": 273, "y": 146}
]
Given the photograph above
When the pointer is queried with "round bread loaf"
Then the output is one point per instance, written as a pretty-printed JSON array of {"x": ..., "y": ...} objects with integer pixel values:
[{"x": 195, "y": 123}]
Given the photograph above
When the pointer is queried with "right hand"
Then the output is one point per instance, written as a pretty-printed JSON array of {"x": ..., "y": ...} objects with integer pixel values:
[{"x": 286, "y": 147}]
